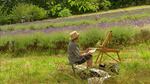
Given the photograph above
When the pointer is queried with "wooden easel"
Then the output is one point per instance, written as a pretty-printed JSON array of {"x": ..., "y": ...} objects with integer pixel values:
[{"x": 103, "y": 50}]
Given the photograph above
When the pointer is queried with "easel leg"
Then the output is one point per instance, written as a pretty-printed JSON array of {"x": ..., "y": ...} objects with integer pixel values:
[
  {"x": 97, "y": 57},
  {"x": 111, "y": 57},
  {"x": 101, "y": 58},
  {"x": 119, "y": 57}
]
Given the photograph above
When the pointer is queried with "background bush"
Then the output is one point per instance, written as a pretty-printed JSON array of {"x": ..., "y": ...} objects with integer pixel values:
[{"x": 27, "y": 12}]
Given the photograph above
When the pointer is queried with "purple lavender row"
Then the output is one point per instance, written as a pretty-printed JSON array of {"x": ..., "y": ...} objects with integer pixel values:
[{"x": 139, "y": 23}]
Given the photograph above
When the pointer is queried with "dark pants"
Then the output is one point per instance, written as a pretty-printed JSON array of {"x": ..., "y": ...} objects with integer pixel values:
[{"x": 84, "y": 58}]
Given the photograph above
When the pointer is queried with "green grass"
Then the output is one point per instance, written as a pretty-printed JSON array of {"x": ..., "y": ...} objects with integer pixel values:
[
  {"x": 37, "y": 69},
  {"x": 34, "y": 69},
  {"x": 125, "y": 15}
]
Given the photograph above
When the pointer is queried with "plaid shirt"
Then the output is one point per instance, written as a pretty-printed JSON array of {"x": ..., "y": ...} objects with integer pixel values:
[{"x": 74, "y": 53}]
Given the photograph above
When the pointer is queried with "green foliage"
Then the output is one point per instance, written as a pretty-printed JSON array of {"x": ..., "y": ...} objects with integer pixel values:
[
  {"x": 3, "y": 17},
  {"x": 127, "y": 3},
  {"x": 38, "y": 13},
  {"x": 64, "y": 13},
  {"x": 8, "y": 5},
  {"x": 104, "y": 4},
  {"x": 83, "y": 6},
  {"x": 1, "y": 13},
  {"x": 54, "y": 10},
  {"x": 28, "y": 12},
  {"x": 58, "y": 8},
  {"x": 6, "y": 19}
]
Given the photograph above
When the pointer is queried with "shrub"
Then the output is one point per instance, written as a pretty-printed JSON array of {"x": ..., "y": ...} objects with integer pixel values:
[
  {"x": 27, "y": 12},
  {"x": 38, "y": 13},
  {"x": 64, "y": 13}
]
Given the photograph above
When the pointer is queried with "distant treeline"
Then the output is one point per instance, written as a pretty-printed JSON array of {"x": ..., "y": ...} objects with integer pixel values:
[{"x": 13, "y": 11}]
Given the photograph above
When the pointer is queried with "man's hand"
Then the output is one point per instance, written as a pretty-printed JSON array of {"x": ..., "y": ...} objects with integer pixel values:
[
  {"x": 92, "y": 50},
  {"x": 83, "y": 54},
  {"x": 89, "y": 53},
  {"x": 87, "y": 50}
]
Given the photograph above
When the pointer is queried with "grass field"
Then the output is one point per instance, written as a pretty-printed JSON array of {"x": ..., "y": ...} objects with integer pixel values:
[{"x": 37, "y": 69}]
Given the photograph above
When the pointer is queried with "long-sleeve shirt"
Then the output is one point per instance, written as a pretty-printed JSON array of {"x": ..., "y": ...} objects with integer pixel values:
[{"x": 74, "y": 53}]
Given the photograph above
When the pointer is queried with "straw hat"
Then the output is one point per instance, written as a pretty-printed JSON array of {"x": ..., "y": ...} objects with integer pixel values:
[{"x": 74, "y": 35}]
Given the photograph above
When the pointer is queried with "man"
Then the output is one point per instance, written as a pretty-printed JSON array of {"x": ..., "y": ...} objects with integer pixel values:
[{"x": 74, "y": 54}]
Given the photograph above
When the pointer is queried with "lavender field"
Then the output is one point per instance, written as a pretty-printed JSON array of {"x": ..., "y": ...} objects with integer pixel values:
[{"x": 138, "y": 16}]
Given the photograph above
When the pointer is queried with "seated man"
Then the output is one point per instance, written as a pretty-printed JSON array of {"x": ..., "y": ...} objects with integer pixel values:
[{"x": 74, "y": 54}]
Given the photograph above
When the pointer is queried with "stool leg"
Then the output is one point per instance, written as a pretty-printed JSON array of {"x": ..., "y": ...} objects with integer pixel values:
[{"x": 73, "y": 69}]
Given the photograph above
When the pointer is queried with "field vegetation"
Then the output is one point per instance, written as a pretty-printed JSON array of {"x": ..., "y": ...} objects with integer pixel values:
[
  {"x": 57, "y": 42},
  {"x": 122, "y": 15},
  {"x": 40, "y": 57},
  {"x": 37, "y": 68}
]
